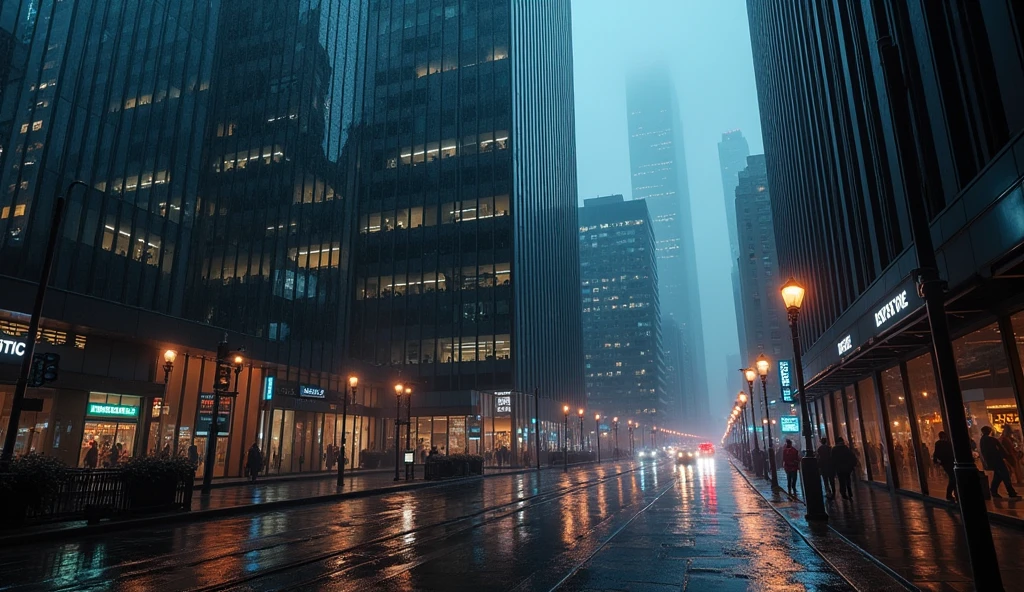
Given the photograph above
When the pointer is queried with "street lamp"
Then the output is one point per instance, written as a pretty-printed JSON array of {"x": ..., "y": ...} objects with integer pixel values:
[
  {"x": 597, "y": 430},
  {"x": 408, "y": 431},
  {"x": 749, "y": 374},
  {"x": 629, "y": 426},
  {"x": 353, "y": 381},
  {"x": 793, "y": 296},
  {"x": 581, "y": 430},
  {"x": 169, "y": 357},
  {"x": 745, "y": 437},
  {"x": 399, "y": 389},
  {"x": 615, "y": 426},
  {"x": 654, "y": 439},
  {"x": 762, "y": 370},
  {"x": 565, "y": 441}
]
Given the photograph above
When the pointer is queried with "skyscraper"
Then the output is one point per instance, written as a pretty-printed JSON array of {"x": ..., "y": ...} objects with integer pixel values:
[
  {"x": 877, "y": 114},
  {"x": 658, "y": 171},
  {"x": 467, "y": 274},
  {"x": 622, "y": 346},
  {"x": 763, "y": 315},
  {"x": 732, "y": 158}
]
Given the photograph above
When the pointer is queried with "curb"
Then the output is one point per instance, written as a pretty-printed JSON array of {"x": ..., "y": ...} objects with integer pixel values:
[
  {"x": 897, "y": 578},
  {"x": 214, "y": 513}
]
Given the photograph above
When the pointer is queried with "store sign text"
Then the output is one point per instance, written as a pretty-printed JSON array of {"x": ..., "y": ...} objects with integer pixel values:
[
  {"x": 892, "y": 308},
  {"x": 845, "y": 344},
  {"x": 12, "y": 348},
  {"x": 784, "y": 378},
  {"x": 108, "y": 410},
  {"x": 503, "y": 404},
  {"x": 790, "y": 424},
  {"x": 314, "y": 392}
]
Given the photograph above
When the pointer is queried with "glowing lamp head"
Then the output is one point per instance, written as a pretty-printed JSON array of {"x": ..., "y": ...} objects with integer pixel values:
[
  {"x": 762, "y": 365},
  {"x": 399, "y": 389},
  {"x": 581, "y": 412},
  {"x": 750, "y": 374},
  {"x": 238, "y": 360},
  {"x": 792, "y": 294},
  {"x": 743, "y": 398},
  {"x": 408, "y": 390},
  {"x": 353, "y": 381},
  {"x": 615, "y": 419},
  {"x": 597, "y": 417},
  {"x": 170, "y": 355},
  {"x": 565, "y": 409}
]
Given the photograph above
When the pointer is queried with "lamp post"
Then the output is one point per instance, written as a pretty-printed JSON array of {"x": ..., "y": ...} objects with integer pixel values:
[
  {"x": 615, "y": 426},
  {"x": 654, "y": 437},
  {"x": 169, "y": 357},
  {"x": 399, "y": 389},
  {"x": 745, "y": 437},
  {"x": 565, "y": 441},
  {"x": 408, "y": 432},
  {"x": 597, "y": 432},
  {"x": 221, "y": 386},
  {"x": 793, "y": 296},
  {"x": 581, "y": 430},
  {"x": 759, "y": 465},
  {"x": 756, "y": 459},
  {"x": 353, "y": 381},
  {"x": 762, "y": 370}
]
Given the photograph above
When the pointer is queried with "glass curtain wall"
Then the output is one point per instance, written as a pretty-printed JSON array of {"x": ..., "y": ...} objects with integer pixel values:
[
  {"x": 904, "y": 458},
  {"x": 874, "y": 445},
  {"x": 856, "y": 440},
  {"x": 988, "y": 391},
  {"x": 925, "y": 398}
]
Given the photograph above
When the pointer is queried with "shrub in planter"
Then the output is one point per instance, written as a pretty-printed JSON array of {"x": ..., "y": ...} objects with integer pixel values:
[
  {"x": 31, "y": 482},
  {"x": 152, "y": 481}
]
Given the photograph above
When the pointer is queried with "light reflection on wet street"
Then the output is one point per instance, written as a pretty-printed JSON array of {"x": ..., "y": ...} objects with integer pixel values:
[{"x": 607, "y": 528}]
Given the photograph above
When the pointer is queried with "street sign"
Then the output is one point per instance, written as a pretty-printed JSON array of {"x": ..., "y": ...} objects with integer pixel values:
[
  {"x": 206, "y": 414},
  {"x": 790, "y": 424}
]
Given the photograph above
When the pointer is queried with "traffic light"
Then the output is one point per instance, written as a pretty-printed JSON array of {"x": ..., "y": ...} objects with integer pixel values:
[{"x": 45, "y": 368}]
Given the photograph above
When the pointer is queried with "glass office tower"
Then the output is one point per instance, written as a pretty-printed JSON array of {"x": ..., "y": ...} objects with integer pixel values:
[{"x": 467, "y": 276}]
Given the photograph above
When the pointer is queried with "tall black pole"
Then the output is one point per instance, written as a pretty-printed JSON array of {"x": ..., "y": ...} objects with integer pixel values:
[
  {"x": 565, "y": 447},
  {"x": 398, "y": 428},
  {"x": 932, "y": 288},
  {"x": 581, "y": 433},
  {"x": 615, "y": 426},
  {"x": 772, "y": 469},
  {"x": 536, "y": 424},
  {"x": 597, "y": 434},
  {"x": 813, "y": 496},
  {"x": 221, "y": 385},
  {"x": 21, "y": 386},
  {"x": 344, "y": 422},
  {"x": 410, "y": 469}
]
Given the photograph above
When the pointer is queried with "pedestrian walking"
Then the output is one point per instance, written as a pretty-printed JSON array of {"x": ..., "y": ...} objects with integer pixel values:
[
  {"x": 828, "y": 471},
  {"x": 790, "y": 464},
  {"x": 166, "y": 452},
  {"x": 994, "y": 455},
  {"x": 92, "y": 456},
  {"x": 193, "y": 456},
  {"x": 115, "y": 455},
  {"x": 253, "y": 462},
  {"x": 1012, "y": 456},
  {"x": 942, "y": 455},
  {"x": 844, "y": 463}
]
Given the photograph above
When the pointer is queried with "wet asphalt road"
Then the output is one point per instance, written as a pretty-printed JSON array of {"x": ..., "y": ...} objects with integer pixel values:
[{"x": 658, "y": 527}]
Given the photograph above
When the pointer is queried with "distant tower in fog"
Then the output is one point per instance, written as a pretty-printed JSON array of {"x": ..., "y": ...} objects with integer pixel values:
[
  {"x": 732, "y": 158},
  {"x": 658, "y": 171}
]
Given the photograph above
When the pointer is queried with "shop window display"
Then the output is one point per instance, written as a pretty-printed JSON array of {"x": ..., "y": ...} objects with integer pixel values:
[
  {"x": 853, "y": 434},
  {"x": 988, "y": 392},
  {"x": 904, "y": 459},
  {"x": 874, "y": 448},
  {"x": 930, "y": 421}
]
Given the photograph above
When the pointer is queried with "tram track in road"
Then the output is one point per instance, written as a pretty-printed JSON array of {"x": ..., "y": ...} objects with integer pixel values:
[
  {"x": 468, "y": 522},
  {"x": 155, "y": 567}
]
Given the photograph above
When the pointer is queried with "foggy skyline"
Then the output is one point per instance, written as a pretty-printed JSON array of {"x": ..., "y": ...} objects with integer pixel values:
[{"x": 707, "y": 46}]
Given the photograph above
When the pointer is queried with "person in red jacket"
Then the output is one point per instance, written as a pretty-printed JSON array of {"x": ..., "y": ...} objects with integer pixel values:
[{"x": 790, "y": 464}]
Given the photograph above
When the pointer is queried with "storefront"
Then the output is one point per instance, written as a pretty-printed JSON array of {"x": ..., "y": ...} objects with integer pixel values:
[{"x": 111, "y": 424}]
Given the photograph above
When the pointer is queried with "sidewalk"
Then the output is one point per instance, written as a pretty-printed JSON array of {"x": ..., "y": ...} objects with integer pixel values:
[
  {"x": 232, "y": 497},
  {"x": 920, "y": 542}
]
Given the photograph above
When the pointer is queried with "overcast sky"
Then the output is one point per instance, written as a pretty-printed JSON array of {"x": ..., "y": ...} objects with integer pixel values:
[{"x": 708, "y": 44}]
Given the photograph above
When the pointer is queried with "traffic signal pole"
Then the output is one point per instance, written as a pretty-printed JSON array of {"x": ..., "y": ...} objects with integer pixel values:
[{"x": 10, "y": 438}]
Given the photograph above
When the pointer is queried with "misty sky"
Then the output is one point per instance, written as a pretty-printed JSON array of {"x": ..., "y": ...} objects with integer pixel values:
[{"x": 708, "y": 44}]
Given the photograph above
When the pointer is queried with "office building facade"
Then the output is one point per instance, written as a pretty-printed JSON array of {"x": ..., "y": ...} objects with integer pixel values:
[
  {"x": 764, "y": 320},
  {"x": 622, "y": 347},
  {"x": 732, "y": 159},
  {"x": 467, "y": 272},
  {"x": 842, "y": 168},
  {"x": 658, "y": 173}
]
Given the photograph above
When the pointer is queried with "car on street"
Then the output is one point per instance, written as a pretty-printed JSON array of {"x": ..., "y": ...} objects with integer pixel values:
[
  {"x": 706, "y": 449},
  {"x": 686, "y": 457}
]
